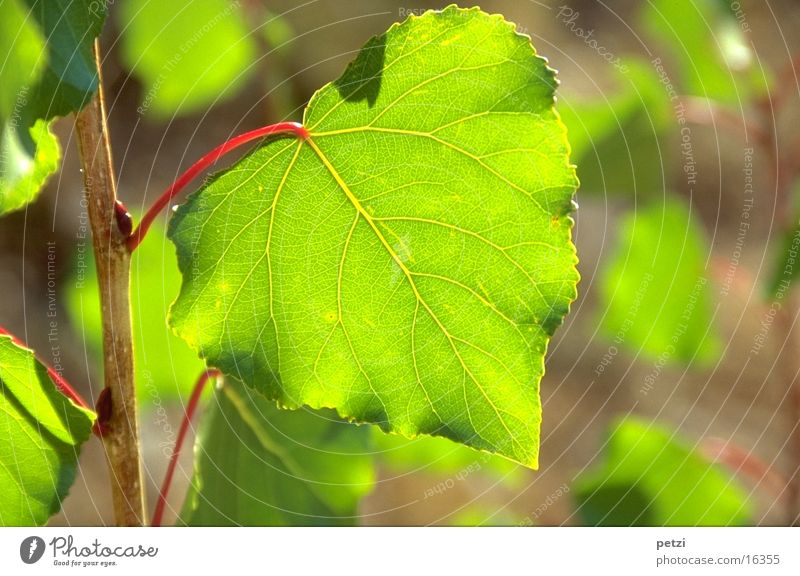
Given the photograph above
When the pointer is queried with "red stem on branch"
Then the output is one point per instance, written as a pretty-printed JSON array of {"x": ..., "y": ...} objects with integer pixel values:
[
  {"x": 61, "y": 384},
  {"x": 209, "y": 159},
  {"x": 191, "y": 407}
]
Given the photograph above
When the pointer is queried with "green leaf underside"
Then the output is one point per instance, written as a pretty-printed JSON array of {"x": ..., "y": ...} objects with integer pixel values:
[
  {"x": 657, "y": 298},
  {"x": 650, "y": 478},
  {"x": 407, "y": 263},
  {"x": 257, "y": 465},
  {"x": 40, "y": 436},
  {"x": 70, "y": 78}
]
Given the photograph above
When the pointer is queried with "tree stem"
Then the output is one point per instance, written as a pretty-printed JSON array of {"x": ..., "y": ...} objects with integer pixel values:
[{"x": 112, "y": 257}]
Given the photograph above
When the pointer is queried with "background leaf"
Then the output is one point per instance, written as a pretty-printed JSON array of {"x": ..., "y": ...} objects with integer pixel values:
[
  {"x": 24, "y": 172},
  {"x": 188, "y": 55},
  {"x": 657, "y": 298},
  {"x": 42, "y": 432},
  {"x": 704, "y": 48},
  {"x": 650, "y": 478},
  {"x": 257, "y": 465},
  {"x": 407, "y": 263},
  {"x": 616, "y": 140},
  {"x": 48, "y": 71}
]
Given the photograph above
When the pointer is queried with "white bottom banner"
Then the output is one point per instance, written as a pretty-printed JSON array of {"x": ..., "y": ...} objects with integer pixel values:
[{"x": 400, "y": 551}]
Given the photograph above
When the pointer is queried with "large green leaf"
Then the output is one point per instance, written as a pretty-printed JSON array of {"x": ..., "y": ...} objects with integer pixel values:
[
  {"x": 657, "y": 299},
  {"x": 41, "y": 432},
  {"x": 257, "y": 465},
  {"x": 651, "y": 478},
  {"x": 187, "y": 54},
  {"x": 166, "y": 367},
  {"x": 408, "y": 262}
]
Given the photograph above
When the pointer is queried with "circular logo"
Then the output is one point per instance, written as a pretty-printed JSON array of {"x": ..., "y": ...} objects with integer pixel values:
[{"x": 31, "y": 550}]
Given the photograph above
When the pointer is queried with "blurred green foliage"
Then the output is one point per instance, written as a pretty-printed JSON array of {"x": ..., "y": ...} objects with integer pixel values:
[
  {"x": 257, "y": 465},
  {"x": 188, "y": 55},
  {"x": 617, "y": 143},
  {"x": 706, "y": 48},
  {"x": 657, "y": 297},
  {"x": 651, "y": 478}
]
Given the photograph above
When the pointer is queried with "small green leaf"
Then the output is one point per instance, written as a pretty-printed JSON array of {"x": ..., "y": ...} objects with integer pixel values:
[
  {"x": 650, "y": 478},
  {"x": 189, "y": 55},
  {"x": 42, "y": 432},
  {"x": 656, "y": 294},
  {"x": 165, "y": 366},
  {"x": 257, "y": 465},
  {"x": 408, "y": 262}
]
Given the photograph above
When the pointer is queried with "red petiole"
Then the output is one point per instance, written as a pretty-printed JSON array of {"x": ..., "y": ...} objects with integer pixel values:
[
  {"x": 135, "y": 238},
  {"x": 61, "y": 384},
  {"x": 191, "y": 407}
]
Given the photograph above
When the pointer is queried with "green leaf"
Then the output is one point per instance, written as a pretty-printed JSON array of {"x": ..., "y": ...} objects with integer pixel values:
[
  {"x": 257, "y": 465},
  {"x": 70, "y": 78},
  {"x": 409, "y": 261},
  {"x": 189, "y": 55},
  {"x": 166, "y": 367},
  {"x": 657, "y": 299},
  {"x": 651, "y": 478},
  {"x": 40, "y": 442},
  {"x": 48, "y": 71},
  {"x": 23, "y": 167},
  {"x": 22, "y": 45},
  {"x": 706, "y": 46}
]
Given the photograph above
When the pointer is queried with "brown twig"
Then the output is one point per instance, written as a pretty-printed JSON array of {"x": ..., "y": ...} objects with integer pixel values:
[{"x": 121, "y": 431}]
